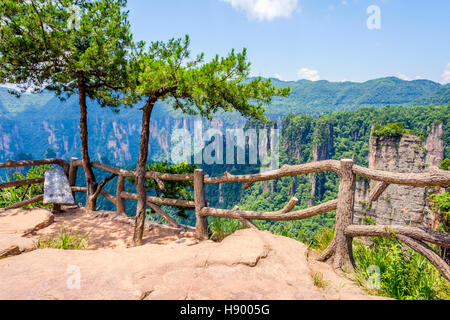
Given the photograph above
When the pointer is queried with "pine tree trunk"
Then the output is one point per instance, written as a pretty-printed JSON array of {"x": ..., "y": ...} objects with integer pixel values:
[
  {"x": 140, "y": 173},
  {"x": 88, "y": 173}
]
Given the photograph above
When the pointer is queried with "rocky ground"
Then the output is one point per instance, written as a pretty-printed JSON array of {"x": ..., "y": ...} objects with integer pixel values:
[{"x": 170, "y": 265}]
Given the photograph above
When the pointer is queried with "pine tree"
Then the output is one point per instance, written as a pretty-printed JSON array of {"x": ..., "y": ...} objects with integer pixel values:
[{"x": 69, "y": 47}]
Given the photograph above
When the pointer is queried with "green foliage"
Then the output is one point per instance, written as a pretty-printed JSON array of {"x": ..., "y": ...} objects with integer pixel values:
[
  {"x": 166, "y": 72},
  {"x": 404, "y": 274},
  {"x": 441, "y": 206},
  {"x": 42, "y": 46},
  {"x": 67, "y": 239},
  {"x": 322, "y": 238},
  {"x": 442, "y": 200},
  {"x": 445, "y": 164},
  {"x": 9, "y": 196},
  {"x": 223, "y": 227},
  {"x": 391, "y": 130},
  {"x": 318, "y": 280},
  {"x": 318, "y": 97},
  {"x": 343, "y": 134},
  {"x": 369, "y": 221}
]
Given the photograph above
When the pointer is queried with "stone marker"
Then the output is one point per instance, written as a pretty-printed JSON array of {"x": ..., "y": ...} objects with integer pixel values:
[{"x": 56, "y": 188}]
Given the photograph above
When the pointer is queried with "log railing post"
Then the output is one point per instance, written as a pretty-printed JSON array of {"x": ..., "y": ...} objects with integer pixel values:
[
  {"x": 120, "y": 202},
  {"x": 73, "y": 171},
  {"x": 201, "y": 224},
  {"x": 343, "y": 257}
]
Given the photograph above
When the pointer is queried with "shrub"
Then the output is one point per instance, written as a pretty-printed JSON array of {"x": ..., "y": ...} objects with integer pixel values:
[
  {"x": 322, "y": 237},
  {"x": 67, "y": 239},
  {"x": 391, "y": 130},
  {"x": 9, "y": 196},
  {"x": 318, "y": 280},
  {"x": 223, "y": 227},
  {"x": 445, "y": 164},
  {"x": 404, "y": 274}
]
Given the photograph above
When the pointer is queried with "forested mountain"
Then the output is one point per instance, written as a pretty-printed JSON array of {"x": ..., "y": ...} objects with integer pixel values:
[
  {"x": 324, "y": 96},
  {"x": 36, "y": 125},
  {"x": 337, "y": 135},
  {"x": 38, "y": 122}
]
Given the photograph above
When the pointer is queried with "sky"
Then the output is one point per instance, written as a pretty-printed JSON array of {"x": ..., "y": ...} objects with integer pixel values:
[{"x": 335, "y": 40}]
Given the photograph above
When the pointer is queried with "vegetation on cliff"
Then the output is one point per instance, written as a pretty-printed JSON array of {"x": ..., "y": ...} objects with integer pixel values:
[{"x": 391, "y": 130}]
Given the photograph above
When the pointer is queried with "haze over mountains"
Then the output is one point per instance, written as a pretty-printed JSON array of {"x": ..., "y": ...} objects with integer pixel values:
[{"x": 36, "y": 122}]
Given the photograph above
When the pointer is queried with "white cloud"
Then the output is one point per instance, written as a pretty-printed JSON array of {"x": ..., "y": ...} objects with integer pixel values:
[
  {"x": 402, "y": 76},
  {"x": 277, "y": 76},
  {"x": 405, "y": 77},
  {"x": 265, "y": 9},
  {"x": 446, "y": 74},
  {"x": 305, "y": 73}
]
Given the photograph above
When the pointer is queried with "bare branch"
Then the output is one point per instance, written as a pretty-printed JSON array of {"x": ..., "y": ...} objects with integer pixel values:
[
  {"x": 102, "y": 184},
  {"x": 428, "y": 253},
  {"x": 434, "y": 178},
  {"x": 162, "y": 201},
  {"x": 274, "y": 216},
  {"x": 246, "y": 222},
  {"x": 378, "y": 190},
  {"x": 26, "y": 202},
  {"x": 422, "y": 234},
  {"x": 21, "y": 183},
  {"x": 284, "y": 171},
  {"x": 159, "y": 211}
]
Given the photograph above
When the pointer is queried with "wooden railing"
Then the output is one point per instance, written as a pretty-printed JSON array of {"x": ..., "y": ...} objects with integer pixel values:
[
  {"x": 25, "y": 163},
  {"x": 340, "y": 248}
]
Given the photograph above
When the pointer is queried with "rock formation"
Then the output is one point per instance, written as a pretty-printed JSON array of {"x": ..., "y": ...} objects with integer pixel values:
[{"x": 404, "y": 205}]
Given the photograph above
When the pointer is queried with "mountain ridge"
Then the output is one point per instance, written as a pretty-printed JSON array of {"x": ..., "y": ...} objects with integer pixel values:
[
  {"x": 36, "y": 122},
  {"x": 311, "y": 97}
]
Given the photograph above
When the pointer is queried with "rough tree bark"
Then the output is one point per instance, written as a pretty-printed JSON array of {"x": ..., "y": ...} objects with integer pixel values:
[
  {"x": 413, "y": 237},
  {"x": 421, "y": 234},
  {"x": 120, "y": 202},
  {"x": 280, "y": 215},
  {"x": 140, "y": 172},
  {"x": 73, "y": 170},
  {"x": 343, "y": 256},
  {"x": 201, "y": 224},
  {"x": 91, "y": 183},
  {"x": 428, "y": 253},
  {"x": 341, "y": 246}
]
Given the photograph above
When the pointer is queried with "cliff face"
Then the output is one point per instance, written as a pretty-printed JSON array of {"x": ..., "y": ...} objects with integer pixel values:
[
  {"x": 405, "y": 205},
  {"x": 323, "y": 148},
  {"x": 435, "y": 145},
  {"x": 116, "y": 138}
]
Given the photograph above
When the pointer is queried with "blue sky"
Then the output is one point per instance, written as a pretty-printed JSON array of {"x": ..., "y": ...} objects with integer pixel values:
[{"x": 312, "y": 39}]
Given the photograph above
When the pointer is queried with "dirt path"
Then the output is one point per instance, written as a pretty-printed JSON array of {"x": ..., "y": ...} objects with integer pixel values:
[{"x": 106, "y": 230}]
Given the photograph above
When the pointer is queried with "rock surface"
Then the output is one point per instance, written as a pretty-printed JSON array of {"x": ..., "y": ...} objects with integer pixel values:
[
  {"x": 16, "y": 224},
  {"x": 21, "y": 221},
  {"x": 246, "y": 265},
  {"x": 403, "y": 205}
]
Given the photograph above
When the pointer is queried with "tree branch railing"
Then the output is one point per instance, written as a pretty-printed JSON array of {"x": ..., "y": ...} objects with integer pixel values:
[
  {"x": 341, "y": 246},
  {"x": 17, "y": 183}
]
